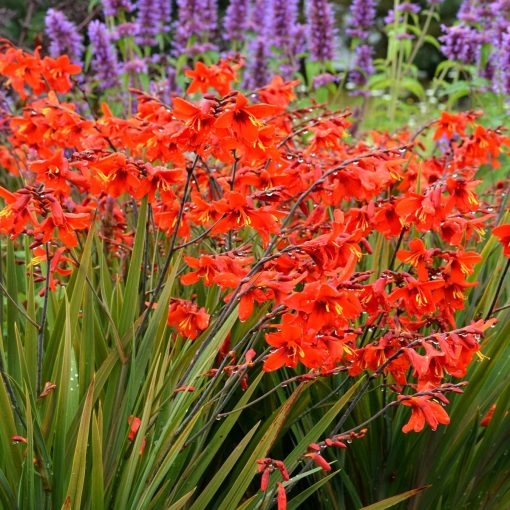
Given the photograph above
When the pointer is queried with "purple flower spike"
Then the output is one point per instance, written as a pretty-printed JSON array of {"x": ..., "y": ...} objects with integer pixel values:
[
  {"x": 63, "y": 35},
  {"x": 236, "y": 20},
  {"x": 104, "y": 62},
  {"x": 165, "y": 10},
  {"x": 196, "y": 18},
  {"x": 321, "y": 80},
  {"x": 460, "y": 43},
  {"x": 259, "y": 16},
  {"x": 148, "y": 21},
  {"x": 257, "y": 72},
  {"x": 282, "y": 19},
  {"x": 209, "y": 14},
  {"x": 135, "y": 66},
  {"x": 362, "y": 18},
  {"x": 320, "y": 29},
  {"x": 113, "y": 7},
  {"x": 504, "y": 63},
  {"x": 363, "y": 65}
]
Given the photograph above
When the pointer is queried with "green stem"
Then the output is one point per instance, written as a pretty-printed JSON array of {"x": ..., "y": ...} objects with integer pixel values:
[
  {"x": 498, "y": 290},
  {"x": 40, "y": 337}
]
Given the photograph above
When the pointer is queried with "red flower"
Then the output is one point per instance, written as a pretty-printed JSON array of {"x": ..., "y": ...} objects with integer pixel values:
[
  {"x": 462, "y": 195},
  {"x": 450, "y": 124},
  {"x": 281, "y": 497},
  {"x": 243, "y": 120},
  {"x": 325, "y": 305},
  {"x": 57, "y": 72},
  {"x": 488, "y": 417},
  {"x": 424, "y": 410},
  {"x": 503, "y": 234},
  {"x": 216, "y": 76},
  {"x": 278, "y": 92},
  {"x": 135, "y": 423},
  {"x": 187, "y": 318},
  {"x": 293, "y": 345},
  {"x": 239, "y": 211},
  {"x": 418, "y": 297},
  {"x": 319, "y": 460},
  {"x": 418, "y": 257}
]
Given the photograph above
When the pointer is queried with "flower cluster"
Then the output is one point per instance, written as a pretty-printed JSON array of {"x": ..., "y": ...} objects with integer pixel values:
[
  {"x": 361, "y": 21},
  {"x": 292, "y": 211}
]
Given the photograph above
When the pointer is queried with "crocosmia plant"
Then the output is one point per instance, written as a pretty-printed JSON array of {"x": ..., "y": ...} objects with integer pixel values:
[{"x": 254, "y": 255}]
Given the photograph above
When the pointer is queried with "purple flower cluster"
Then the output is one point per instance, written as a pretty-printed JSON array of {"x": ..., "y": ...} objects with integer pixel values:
[
  {"x": 148, "y": 21},
  {"x": 460, "y": 43},
  {"x": 282, "y": 18},
  {"x": 195, "y": 20},
  {"x": 165, "y": 12},
  {"x": 63, "y": 36},
  {"x": 258, "y": 16},
  {"x": 126, "y": 29},
  {"x": 237, "y": 20},
  {"x": 320, "y": 30},
  {"x": 324, "y": 79},
  {"x": 504, "y": 63},
  {"x": 257, "y": 74},
  {"x": 402, "y": 8},
  {"x": 209, "y": 15},
  {"x": 135, "y": 66},
  {"x": 104, "y": 61},
  {"x": 114, "y": 7},
  {"x": 364, "y": 66},
  {"x": 362, "y": 18}
]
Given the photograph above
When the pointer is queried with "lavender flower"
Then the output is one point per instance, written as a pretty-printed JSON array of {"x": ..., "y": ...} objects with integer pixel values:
[
  {"x": 193, "y": 21},
  {"x": 63, "y": 35},
  {"x": 165, "y": 12},
  {"x": 113, "y": 7},
  {"x": 409, "y": 7},
  {"x": 405, "y": 7},
  {"x": 282, "y": 20},
  {"x": 209, "y": 15},
  {"x": 104, "y": 61},
  {"x": 363, "y": 65},
  {"x": 135, "y": 66},
  {"x": 504, "y": 63},
  {"x": 324, "y": 79},
  {"x": 296, "y": 46},
  {"x": 460, "y": 43},
  {"x": 257, "y": 72},
  {"x": 148, "y": 20},
  {"x": 480, "y": 12},
  {"x": 126, "y": 29},
  {"x": 320, "y": 28},
  {"x": 258, "y": 16},
  {"x": 362, "y": 18},
  {"x": 236, "y": 20}
]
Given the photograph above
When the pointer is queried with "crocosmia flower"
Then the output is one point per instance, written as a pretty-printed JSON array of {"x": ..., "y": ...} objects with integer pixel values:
[{"x": 187, "y": 318}]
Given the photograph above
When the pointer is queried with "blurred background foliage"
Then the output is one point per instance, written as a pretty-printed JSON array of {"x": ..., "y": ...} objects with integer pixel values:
[{"x": 22, "y": 22}]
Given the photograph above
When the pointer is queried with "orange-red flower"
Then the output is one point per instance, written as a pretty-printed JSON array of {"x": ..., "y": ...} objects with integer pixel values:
[
  {"x": 418, "y": 256},
  {"x": 187, "y": 318},
  {"x": 325, "y": 305},
  {"x": 503, "y": 234},
  {"x": 242, "y": 120},
  {"x": 238, "y": 211},
  {"x": 278, "y": 92},
  {"x": 293, "y": 344},
  {"x": 424, "y": 410}
]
